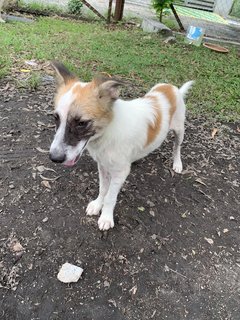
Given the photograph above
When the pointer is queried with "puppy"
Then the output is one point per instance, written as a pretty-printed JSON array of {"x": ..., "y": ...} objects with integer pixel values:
[{"x": 90, "y": 115}]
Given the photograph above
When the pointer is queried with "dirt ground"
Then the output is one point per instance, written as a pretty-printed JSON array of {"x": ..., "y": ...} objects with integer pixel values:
[{"x": 173, "y": 254}]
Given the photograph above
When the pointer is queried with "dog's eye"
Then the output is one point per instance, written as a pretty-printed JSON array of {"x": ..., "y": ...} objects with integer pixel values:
[{"x": 82, "y": 124}]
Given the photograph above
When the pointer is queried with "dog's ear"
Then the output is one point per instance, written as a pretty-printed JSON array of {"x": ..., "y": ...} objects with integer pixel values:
[
  {"x": 63, "y": 74},
  {"x": 108, "y": 87}
]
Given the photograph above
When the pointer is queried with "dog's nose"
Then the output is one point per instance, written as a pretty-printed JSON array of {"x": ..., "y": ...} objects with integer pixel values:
[{"x": 57, "y": 158}]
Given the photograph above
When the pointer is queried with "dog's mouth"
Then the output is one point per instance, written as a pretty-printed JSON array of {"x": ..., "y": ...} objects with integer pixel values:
[{"x": 72, "y": 162}]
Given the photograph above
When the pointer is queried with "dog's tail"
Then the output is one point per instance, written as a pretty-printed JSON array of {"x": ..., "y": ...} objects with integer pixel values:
[{"x": 185, "y": 88}]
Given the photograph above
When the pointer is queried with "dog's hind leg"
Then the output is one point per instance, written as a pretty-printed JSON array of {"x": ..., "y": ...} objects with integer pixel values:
[
  {"x": 106, "y": 221},
  {"x": 95, "y": 206},
  {"x": 177, "y": 162}
]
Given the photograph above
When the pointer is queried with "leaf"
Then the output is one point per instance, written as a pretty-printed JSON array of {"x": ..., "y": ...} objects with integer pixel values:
[
  {"x": 46, "y": 184},
  {"x": 209, "y": 240},
  {"x": 201, "y": 182},
  {"x": 25, "y": 70},
  {"x": 41, "y": 150},
  {"x": 141, "y": 209},
  {"x": 42, "y": 169},
  {"x": 133, "y": 290},
  {"x": 215, "y": 130}
]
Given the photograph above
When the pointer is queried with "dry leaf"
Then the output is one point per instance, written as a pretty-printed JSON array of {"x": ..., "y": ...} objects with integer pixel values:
[
  {"x": 133, "y": 290},
  {"x": 25, "y": 70},
  {"x": 42, "y": 168},
  {"x": 215, "y": 130},
  {"x": 49, "y": 179},
  {"x": 42, "y": 150},
  {"x": 209, "y": 240},
  {"x": 46, "y": 184},
  {"x": 17, "y": 247},
  {"x": 201, "y": 182}
]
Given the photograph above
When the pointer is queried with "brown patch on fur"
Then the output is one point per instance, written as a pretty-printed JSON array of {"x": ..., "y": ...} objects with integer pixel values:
[
  {"x": 154, "y": 128},
  {"x": 89, "y": 104},
  {"x": 168, "y": 91}
]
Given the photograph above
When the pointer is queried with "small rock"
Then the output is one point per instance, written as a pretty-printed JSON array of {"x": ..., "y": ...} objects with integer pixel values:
[
  {"x": 106, "y": 284},
  {"x": 69, "y": 273}
]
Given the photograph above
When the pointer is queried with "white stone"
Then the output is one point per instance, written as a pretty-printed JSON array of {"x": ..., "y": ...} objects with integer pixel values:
[{"x": 69, "y": 273}]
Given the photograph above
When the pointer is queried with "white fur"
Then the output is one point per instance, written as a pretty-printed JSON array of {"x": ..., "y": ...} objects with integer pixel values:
[
  {"x": 58, "y": 146},
  {"x": 124, "y": 141}
]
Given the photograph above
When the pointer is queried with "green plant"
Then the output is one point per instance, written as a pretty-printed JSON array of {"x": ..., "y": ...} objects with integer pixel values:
[
  {"x": 75, "y": 7},
  {"x": 159, "y": 6}
]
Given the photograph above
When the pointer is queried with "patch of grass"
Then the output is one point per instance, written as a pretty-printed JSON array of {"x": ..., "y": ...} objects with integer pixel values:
[
  {"x": 144, "y": 59},
  {"x": 36, "y": 6}
]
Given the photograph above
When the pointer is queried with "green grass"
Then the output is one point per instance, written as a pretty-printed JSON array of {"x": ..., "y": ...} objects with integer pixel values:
[
  {"x": 36, "y": 6},
  {"x": 89, "y": 48},
  {"x": 236, "y": 9}
]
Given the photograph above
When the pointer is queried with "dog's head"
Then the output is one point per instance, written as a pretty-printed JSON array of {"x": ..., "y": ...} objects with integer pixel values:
[{"x": 82, "y": 112}]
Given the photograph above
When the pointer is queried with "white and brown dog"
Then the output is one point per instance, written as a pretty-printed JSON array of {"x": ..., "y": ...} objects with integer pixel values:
[{"x": 115, "y": 132}]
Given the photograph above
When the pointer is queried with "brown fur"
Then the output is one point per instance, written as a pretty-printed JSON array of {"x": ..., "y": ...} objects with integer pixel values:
[
  {"x": 168, "y": 91},
  {"x": 89, "y": 104},
  {"x": 154, "y": 128}
]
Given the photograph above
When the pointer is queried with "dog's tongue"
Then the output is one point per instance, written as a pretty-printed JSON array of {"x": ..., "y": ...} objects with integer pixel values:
[{"x": 69, "y": 163}]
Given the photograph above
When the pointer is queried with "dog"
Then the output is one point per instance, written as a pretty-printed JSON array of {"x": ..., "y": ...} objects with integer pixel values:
[{"x": 90, "y": 115}]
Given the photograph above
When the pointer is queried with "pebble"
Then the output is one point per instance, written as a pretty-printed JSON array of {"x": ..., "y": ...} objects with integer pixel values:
[{"x": 69, "y": 273}]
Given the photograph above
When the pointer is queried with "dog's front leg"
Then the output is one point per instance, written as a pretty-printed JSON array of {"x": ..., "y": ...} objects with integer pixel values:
[
  {"x": 95, "y": 206},
  {"x": 106, "y": 221}
]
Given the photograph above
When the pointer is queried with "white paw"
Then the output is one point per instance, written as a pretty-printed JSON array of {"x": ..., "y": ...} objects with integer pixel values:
[
  {"x": 94, "y": 207},
  {"x": 105, "y": 223},
  {"x": 177, "y": 167}
]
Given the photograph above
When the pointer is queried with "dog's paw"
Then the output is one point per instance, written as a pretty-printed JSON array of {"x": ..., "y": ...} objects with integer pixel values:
[
  {"x": 105, "y": 223},
  {"x": 177, "y": 167},
  {"x": 94, "y": 208}
]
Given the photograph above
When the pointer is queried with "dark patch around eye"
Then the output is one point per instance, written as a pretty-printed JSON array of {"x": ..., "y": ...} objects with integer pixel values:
[
  {"x": 57, "y": 120},
  {"x": 76, "y": 130}
]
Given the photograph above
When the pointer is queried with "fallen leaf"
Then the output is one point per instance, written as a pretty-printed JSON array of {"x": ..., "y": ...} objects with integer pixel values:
[
  {"x": 49, "y": 179},
  {"x": 141, "y": 208},
  {"x": 215, "y": 130},
  {"x": 31, "y": 62},
  {"x": 133, "y": 290},
  {"x": 41, "y": 150},
  {"x": 42, "y": 169},
  {"x": 184, "y": 215},
  {"x": 17, "y": 247},
  {"x": 201, "y": 182},
  {"x": 46, "y": 184},
  {"x": 25, "y": 70},
  {"x": 209, "y": 240}
]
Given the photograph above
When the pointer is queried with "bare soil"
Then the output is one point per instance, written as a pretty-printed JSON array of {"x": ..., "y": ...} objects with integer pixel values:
[{"x": 173, "y": 254}]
